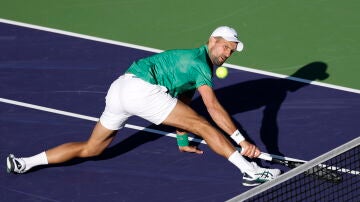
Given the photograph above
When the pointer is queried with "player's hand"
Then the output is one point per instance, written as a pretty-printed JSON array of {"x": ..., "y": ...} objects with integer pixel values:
[
  {"x": 191, "y": 149},
  {"x": 249, "y": 150}
]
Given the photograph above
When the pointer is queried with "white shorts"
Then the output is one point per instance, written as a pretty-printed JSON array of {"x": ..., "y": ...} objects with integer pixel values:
[{"x": 130, "y": 95}]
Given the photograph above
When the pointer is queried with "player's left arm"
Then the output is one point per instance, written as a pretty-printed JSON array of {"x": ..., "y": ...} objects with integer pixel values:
[
  {"x": 223, "y": 120},
  {"x": 182, "y": 136}
]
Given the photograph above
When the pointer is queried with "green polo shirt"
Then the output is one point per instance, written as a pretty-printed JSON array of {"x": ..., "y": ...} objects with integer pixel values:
[{"x": 177, "y": 70}]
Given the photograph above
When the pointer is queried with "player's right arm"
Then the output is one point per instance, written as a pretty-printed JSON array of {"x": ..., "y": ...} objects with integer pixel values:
[{"x": 223, "y": 120}]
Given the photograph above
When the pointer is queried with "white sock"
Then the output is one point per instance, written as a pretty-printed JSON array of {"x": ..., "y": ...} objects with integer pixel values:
[
  {"x": 37, "y": 160},
  {"x": 239, "y": 161}
]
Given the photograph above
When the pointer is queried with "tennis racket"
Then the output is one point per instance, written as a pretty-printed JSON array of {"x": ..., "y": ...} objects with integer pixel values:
[{"x": 328, "y": 173}]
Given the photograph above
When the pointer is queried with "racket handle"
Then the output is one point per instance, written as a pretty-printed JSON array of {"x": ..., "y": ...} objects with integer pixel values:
[{"x": 265, "y": 157}]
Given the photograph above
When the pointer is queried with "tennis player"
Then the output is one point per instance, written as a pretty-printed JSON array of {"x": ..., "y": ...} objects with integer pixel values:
[{"x": 159, "y": 88}]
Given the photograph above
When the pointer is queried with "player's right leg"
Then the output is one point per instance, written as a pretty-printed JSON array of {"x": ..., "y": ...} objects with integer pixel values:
[
  {"x": 100, "y": 138},
  {"x": 182, "y": 116},
  {"x": 112, "y": 119}
]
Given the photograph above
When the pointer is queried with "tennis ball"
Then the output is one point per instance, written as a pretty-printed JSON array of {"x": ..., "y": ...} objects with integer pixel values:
[{"x": 221, "y": 72}]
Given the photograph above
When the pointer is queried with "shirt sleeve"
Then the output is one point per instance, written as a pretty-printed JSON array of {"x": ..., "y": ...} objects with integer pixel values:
[{"x": 204, "y": 77}]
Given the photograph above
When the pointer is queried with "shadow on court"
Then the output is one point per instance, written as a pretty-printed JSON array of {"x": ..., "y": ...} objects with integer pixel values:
[{"x": 268, "y": 93}]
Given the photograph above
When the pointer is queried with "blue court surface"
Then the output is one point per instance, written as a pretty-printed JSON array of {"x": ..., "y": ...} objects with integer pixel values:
[{"x": 72, "y": 74}]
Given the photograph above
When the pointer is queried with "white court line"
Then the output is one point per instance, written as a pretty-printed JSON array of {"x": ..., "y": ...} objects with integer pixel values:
[
  {"x": 82, "y": 36},
  {"x": 89, "y": 118},
  {"x": 248, "y": 69},
  {"x": 67, "y": 33},
  {"x": 264, "y": 156}
]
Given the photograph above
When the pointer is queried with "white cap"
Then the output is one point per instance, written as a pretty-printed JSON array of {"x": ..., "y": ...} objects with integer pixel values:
[{"x": 229, "y": 34}]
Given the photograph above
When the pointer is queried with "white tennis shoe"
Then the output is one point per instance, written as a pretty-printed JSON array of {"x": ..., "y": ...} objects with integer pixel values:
[
  {"x": 15, "y": 165},
  {"x": 259, "y": 176}
]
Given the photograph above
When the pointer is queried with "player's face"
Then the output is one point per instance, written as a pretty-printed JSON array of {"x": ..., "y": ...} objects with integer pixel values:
[{"x": 220, "y": 50}]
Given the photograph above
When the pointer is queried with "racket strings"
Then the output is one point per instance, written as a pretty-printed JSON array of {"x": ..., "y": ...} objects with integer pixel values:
[{"x": 325, "y": 174}]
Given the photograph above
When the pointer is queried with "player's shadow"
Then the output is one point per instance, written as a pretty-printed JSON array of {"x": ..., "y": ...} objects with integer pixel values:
[
  {"x": 241, "y": 97},
  {"x": 267, "y": 93}
]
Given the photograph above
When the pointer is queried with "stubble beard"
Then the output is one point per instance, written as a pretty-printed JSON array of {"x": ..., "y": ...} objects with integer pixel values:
[{"x": 217, "y": 60}]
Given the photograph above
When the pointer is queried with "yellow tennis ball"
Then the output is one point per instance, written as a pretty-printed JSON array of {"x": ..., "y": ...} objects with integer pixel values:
[{"x": 221, "y": 72}]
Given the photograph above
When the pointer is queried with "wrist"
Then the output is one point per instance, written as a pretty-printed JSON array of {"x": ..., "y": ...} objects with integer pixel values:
[
  {"x": 237, "y": 137},
  {"x": 182, "y": 140}
]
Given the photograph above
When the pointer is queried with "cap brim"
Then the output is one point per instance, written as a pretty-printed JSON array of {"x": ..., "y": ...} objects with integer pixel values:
[{"x": 240, "y": 45}]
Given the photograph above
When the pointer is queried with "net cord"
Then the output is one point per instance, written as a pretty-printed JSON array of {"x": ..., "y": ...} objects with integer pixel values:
[{"x": 296, "y": 171}]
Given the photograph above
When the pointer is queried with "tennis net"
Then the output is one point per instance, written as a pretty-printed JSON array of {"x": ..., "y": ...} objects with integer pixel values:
[{"x": 300, "y": 184}]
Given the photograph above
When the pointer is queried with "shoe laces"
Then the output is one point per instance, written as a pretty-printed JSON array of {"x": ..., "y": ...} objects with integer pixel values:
[
  {"x": 19, "y": 163},
  {"x": 265, "y": 174}
]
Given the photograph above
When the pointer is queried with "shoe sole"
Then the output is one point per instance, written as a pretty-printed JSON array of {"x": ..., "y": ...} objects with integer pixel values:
[
  {"x": 9, "y": 164},
  {"x": 250, "y": 185}
]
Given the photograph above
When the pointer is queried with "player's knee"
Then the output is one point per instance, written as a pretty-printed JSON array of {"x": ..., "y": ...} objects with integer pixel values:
[
  {"x": 91, "y": 151},
  {"x": 200, "y": 125}
]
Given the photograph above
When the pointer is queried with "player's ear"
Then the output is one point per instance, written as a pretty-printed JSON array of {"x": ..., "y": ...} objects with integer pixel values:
[{"x": 212, "y": 41}]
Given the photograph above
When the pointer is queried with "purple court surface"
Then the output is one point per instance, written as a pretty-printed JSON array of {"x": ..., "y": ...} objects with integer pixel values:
[{"x": 71, "y": 74}]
